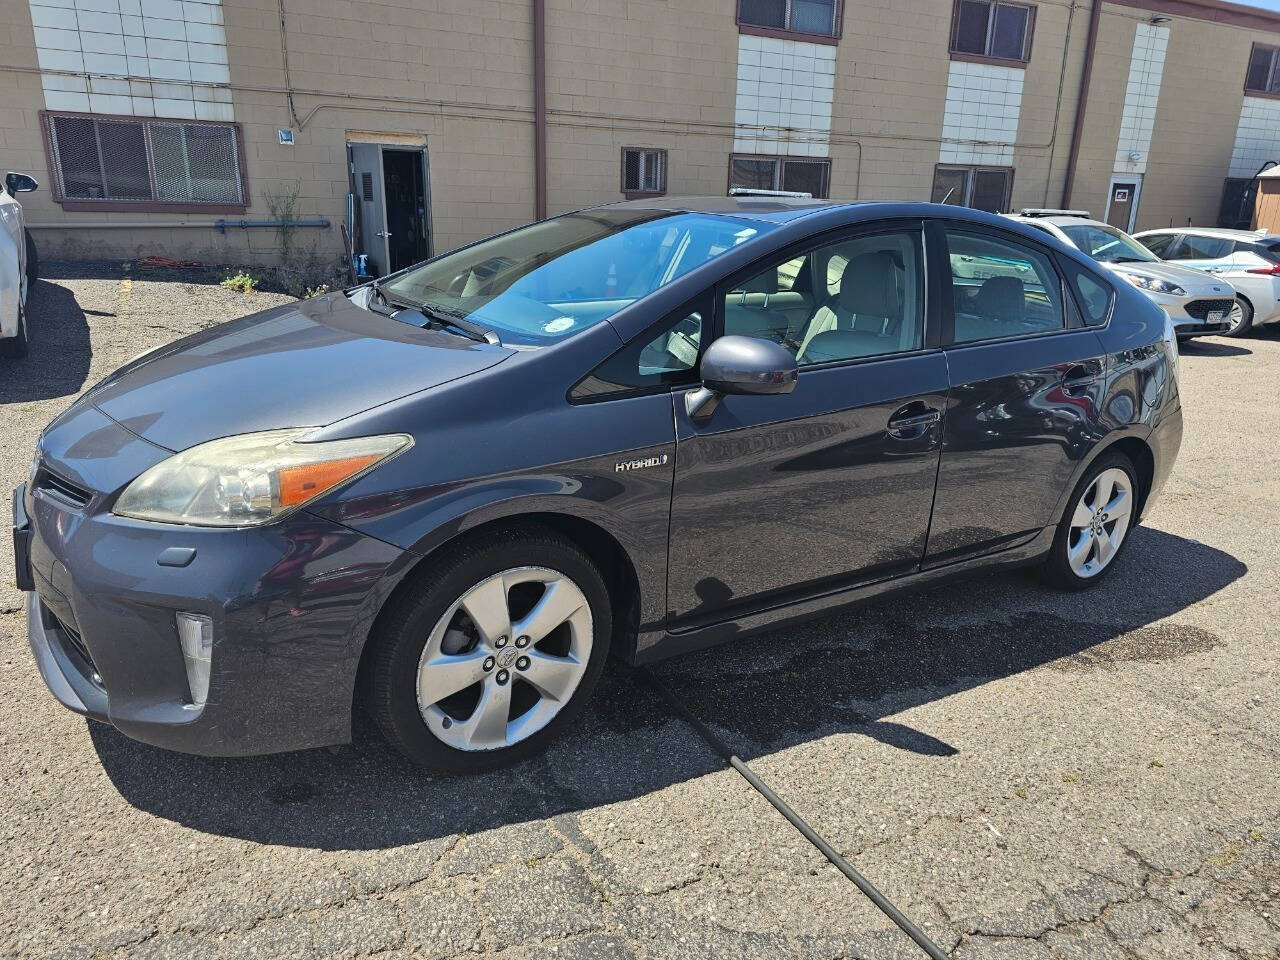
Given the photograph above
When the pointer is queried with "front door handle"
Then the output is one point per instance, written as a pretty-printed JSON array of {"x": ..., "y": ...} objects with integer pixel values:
[
  {"x": 911, "y": 421},
  {"x": 382, "y": 233}
]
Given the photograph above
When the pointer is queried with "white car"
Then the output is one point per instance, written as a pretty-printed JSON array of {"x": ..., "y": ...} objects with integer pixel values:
[
  {"x": 17, "y": 266},
  {"x": 1198, "y": 304},
  {"x": 1249, "y": 261}
]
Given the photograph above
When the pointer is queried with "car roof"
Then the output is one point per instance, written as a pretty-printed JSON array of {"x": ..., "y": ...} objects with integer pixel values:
[
  {"x": 1060, "y": 221},
  {"x": 1220, "y": 232},
  {"x": 771, "y": 209}
]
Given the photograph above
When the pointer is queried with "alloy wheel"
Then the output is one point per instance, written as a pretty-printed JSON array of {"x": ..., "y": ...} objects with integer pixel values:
[
  {"x": 1100, "y": 522},
  {"x": 504, "y": 659}
]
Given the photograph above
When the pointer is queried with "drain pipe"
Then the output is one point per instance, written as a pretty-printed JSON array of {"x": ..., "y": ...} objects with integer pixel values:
[
  {"x": 539, "y": 109},
  {"x": 1077, "y": 130}
]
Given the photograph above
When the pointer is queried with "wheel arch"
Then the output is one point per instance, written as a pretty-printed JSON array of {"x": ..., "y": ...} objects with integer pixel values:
[
  {"x": 1140, "y": 454},
  {"x": 602, "y": 546}
]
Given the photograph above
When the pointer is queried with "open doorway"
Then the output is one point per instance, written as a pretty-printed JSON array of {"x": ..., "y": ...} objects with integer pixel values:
[{"x": 390, "y": 206}]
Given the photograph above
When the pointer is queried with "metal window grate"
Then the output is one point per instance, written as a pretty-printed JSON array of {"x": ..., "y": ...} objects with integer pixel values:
[
  {"x": 146, "y": 160},
  {"x": 644, "y": 171}
]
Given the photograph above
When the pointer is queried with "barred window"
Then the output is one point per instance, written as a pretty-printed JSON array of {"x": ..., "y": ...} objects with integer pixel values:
[
  {"x": 644, "y": 171},
  {"x": 788, "y": 174},
  {"x": 124, "y": 161},
  {"x": 817, "y": 17}
]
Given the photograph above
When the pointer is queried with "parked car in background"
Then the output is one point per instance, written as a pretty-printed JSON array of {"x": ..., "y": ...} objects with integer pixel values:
[
  {"x": 641, "y": 428},
  {"x": 17, "y": 265},
  {"x": 1248, "y": 260},
  {"x": 1198, "y": 304}
]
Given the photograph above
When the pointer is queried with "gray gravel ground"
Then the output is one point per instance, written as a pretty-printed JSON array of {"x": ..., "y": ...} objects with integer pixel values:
[{"x": 1027, "y": 774}]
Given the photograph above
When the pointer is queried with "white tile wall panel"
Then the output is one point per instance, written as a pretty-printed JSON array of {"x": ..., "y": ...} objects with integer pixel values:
[
  {"x": 784, "y": 96},
  {"x": 1142, "y": 94},
  {"x": 114, "y": 42},
  {"x": 980, "y": 122},
  {"x": 1257, "y": 136}
]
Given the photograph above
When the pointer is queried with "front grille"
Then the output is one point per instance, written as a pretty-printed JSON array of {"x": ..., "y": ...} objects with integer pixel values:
[
  {"x": 60, "y": 489},
  {"x": 75, "y": 642},
  {"x": 1200, "y": 309}
]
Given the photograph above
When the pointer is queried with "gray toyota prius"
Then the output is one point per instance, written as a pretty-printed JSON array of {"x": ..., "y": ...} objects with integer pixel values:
[{"x": 641, "y": 428}]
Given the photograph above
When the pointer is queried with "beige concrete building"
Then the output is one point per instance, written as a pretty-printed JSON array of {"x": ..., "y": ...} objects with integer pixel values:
[{"x": 181, "y": 128}]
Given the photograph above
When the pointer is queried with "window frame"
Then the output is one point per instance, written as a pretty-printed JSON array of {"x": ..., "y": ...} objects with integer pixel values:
[
  {"x": 1273, "y": 73},
  {"x": 970, "y": 170},
  {"x": 1072, "y": 316},
  {"x": 47, "y": 118},
  {"x": 780, "y": 160},
  {"x": 968, "y": 57},
  {"x": 785, "y": 33},
  {"x": 930, "y": 335},
  {"x": 641, "y": 194},
  {"x": 1175, "y": 238}
]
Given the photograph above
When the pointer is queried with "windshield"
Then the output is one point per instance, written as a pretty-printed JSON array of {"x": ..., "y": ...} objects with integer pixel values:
[
  {"x": 1107, "y": 244},
  {"x": 555, "y": 278}
]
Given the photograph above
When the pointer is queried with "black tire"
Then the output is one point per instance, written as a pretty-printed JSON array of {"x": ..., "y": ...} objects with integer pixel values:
[
  {"x": 1057, "y": 570},
  {"x": 1246, "y": 319},
  {"x": 12, "y": 348},
  {"x": 402, "y": 631},
  {"x": 33, "y": 263}
]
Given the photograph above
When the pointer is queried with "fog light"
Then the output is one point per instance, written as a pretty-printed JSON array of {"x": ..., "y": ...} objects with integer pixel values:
[{"x": 195, "y": 633}]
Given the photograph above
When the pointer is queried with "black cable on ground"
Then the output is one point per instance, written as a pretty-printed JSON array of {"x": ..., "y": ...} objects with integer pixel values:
[{"x": 840, "y": 863}]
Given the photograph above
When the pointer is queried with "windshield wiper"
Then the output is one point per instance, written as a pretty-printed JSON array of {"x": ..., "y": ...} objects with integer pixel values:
[{"x": 445, "y": 318}]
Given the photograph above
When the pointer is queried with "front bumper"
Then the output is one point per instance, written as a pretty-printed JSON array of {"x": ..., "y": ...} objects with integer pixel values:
[
  {"x": 291, "y": 605},
  {"x": 1190, "y": 315}
]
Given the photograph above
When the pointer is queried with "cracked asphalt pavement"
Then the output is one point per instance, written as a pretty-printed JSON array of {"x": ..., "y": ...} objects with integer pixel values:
[{"x": 1026, "y": 774}]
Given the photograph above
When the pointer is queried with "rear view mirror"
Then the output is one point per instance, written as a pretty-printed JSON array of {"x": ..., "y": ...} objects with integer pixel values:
[
  {"x": 20, "y": 183},
  {"x": 741, "y": 365}
]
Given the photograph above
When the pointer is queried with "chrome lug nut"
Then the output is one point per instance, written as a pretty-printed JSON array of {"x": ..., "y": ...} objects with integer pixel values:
[
  {"x": 522, "y": 663},
  {"x": 447, "y": 722},
  {"x": 522, "y": 642},
  {"x": 488, "y": 664},
  {"x": 503, "y": 676},
  {"x": 500, "y": 642}
]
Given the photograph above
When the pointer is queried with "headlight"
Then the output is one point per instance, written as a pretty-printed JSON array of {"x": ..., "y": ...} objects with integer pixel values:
[
  {"x": 1155, "y": 285},
  {"x": 250, "y": 479}
]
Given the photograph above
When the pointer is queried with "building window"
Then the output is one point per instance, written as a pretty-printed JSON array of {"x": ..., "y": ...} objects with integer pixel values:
[
  {"x": 792, "y": 174},
  {"x": 1264, "y": 70},
  {"x": 644, "y": 171},
  {"x": 124, "y": 163},
  {"x": 983, "y": 188},
  {"x": 999, "y": 32},
  {"x": 812, "y": 18}
]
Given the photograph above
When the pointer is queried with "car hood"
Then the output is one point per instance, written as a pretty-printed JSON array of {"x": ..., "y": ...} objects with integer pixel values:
[
  {"x": 299, "y": 365},
  {"x": 1197, "y": 283}
]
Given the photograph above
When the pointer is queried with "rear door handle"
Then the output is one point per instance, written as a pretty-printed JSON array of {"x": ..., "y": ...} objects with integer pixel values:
[
  {"x": 910, "y": 422},
  {"x": 1079, "y": 376}
]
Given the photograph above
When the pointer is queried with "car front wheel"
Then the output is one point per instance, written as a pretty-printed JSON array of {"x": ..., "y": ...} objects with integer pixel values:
[
  {"x": 1241, "y": 318},
  {"x": 493, "y": 652},
  {"x": 1095, "y": 527}
]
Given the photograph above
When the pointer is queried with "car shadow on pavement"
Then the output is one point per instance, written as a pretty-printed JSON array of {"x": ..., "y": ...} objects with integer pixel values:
[
  {"x": 843, "y": 674},
  {"x": 1213, "y": 348},
  {"x": 57, "y": 360}
]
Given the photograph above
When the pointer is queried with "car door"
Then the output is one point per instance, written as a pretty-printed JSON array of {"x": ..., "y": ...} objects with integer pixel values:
[
  {"x": 1025, "y": 378},
  {"x": 782, "y": 497},
  {"x": 1161, "y": 244},
  {"x": 1211, "y": 254}
]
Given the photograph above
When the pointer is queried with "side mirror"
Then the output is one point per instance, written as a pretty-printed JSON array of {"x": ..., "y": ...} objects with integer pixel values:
[
  {"x": 20, "y": 183},
  {"x": 741, "y": 365}
]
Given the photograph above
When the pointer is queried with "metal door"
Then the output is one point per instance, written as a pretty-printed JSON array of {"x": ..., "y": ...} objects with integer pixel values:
[
  {"x": 367, "y": 186},
  {"x": 1122, "y": 203}
]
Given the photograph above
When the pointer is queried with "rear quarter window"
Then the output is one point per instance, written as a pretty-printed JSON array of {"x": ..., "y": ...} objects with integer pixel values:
[{"x": 1092, "y": 293}]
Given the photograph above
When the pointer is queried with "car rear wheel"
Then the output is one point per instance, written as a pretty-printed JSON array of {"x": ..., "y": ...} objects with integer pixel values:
[
  {"x": 1241, "y": 318},
  {"x": 1095, "y": 527},
  {"x": 488, "y": 657}
]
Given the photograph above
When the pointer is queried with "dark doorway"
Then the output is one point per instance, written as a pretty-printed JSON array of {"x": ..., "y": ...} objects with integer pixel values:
[
  {"x": 1120, "y": 204},
  {"x": 406, "y": 207}
]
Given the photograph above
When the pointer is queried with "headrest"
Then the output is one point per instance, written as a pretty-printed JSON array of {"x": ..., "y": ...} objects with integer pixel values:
[
  {"x": 1001, "y": 298},
  {"x": 869, "y": 286},
  {"x": 766, "y": 282}
]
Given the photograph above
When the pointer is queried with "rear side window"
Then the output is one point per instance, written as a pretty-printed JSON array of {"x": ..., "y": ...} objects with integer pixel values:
[
  {"x": 665, "y": 355},
  {"x": 1092, "y": 293},
  {"x": 1267, "y": 252},
  {"x": 1002, "y": 288}
]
